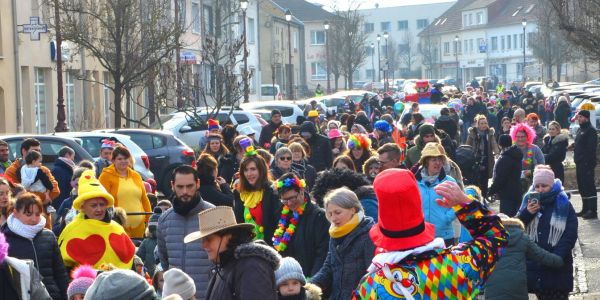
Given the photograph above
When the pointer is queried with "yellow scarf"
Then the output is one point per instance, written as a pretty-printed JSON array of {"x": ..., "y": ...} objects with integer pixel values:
[
  {"x": 251, "y": 199},
  {"x": 338, "y": 232}
]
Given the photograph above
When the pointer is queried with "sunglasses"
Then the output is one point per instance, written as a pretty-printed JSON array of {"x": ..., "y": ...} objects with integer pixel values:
[{"x": 285, "y": 158}]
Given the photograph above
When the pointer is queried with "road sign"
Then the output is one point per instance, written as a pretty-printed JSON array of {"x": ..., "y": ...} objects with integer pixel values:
[{"x": 34, "y": 28}]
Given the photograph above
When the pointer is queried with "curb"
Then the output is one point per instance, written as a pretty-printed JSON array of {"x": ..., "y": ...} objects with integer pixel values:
[{"x": 580, "y": 276}]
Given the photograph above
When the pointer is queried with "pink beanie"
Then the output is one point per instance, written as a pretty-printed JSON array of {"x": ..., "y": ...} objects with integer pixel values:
[{"x": 544, "y": 175}]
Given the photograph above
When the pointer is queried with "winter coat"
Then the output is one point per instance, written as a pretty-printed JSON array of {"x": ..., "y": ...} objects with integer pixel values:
[
  {"x": 15, "y": 168},
  {"x": 266, "y": 134},
  {"x": 540, "y": 132},
  {"x": 555, "y": 151},
  {"x": 474, "y": 140},
  {"x": 436, "y": 272},
  {"x": 562, "y": 112},
  {"x": 440, "y": 217},
  {"x": 586, "y": 142},
  {"x": 320, "y": 149},
  {"x": 451, "y": 169},
  {"x": 506, "y": 180},
  {"x": 368, "y": 200},
  {"x": 245, "y": 273},
  {"x": 308, "y": 292},
  {"x": 271, "y": 211},
  {"x": 174, "y": 253},
  {"x": 413, "y": 154},
  {"x": 310, "y": 241},
  {"x": 24, "y": 279},
  {"x": 306, "y": 172},
  {"x": 529, "y": 105},
  {"x": 448, "y": 125},
  {"x": 146, "y": 252},
  {"x": 209, "y": 192},
  {"x": 509, "y": 279},
  {"x": 543, "y": 277},
  {"x": 228, "y": 166},
  {"x": 347, "y": 259},
  {"x": 44, "y": 252},
  {"x": 62, "y": 173},
  {"x": 470, "y": 111}
]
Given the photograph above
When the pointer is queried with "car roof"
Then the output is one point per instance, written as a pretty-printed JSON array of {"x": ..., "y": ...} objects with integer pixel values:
[
  {"x": 354, "y": 92},
  {"x": 38, "y": 136},
  {"x": 90, "y": 133},
  {"x": 140, "y": 130},
  {"x": 268, "y": 103}
]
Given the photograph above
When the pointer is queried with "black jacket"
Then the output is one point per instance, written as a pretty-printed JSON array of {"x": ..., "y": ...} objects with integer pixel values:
[
  {"x": 271, "y": 211},
  {"x": 555, "y": 151},
  {"x": 586, "y": 143},
  {"x": 506, "y": 183},
  {"x": 310, "y": 242},
  {"x": 44, "y": 252},
  {"x": 320, "y": 149},
  {"x": 209, "y": 192},
  {"x": 228, "y": 166},
  {"x": 448, "y": 125},
  {"x": 62, "y": 172},
  {"x": 305, "y": 171},
  {"x": 562, "y": 113},
  {"x": 266, "y": 134}
]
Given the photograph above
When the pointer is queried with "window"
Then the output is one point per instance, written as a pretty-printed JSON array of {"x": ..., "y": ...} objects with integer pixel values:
[
  {"x": 466, "y": 46},
  {"x": 386, "y": 26},
  {"x": 446, "y": 48},
  {"x": 515, "y": 41},
  {"x": 465, "y": 21},
  {"x": 207, "y": 15},
  {"x": 40, "y": 100},
  {"x": 317, "y": 37},
  {"x": 369, "y": 27},
  {"x": 196, "y": 17},
  {"x": 494, "y": 43},
  {"x": 241, "y": 118},
  {"x": 459, "y": 44},
  {"x": 182, "y": 13},
  {"x": 479, "y": 18},
  {"x": 521, "y": 41},
  {"x": 250, "y": 29},
  {"x": 148, "y": 141},
  {"x": 370, "y": 74},
  {"x": 295, "y": 41},
  {"x": 70, "y": 101},
  {"x": 318, "y": 71},
  {"x": 370, "y": 51},
  {"x": 502, "y": 43},
  {"x": 422, "y": 23},
  {"x": 471, "y": 42},
  {"x": 403, "y": 25},
  {"x": 508, "y": 42},
  {"x": 470, "y": 19}
]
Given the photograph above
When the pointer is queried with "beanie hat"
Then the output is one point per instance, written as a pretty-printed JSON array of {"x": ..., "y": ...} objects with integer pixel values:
[
  {"x": 89, "y": 188},
  {"x": 383, "y": 125},
  {"x": 213, "y": 124},
  {"x": 83, "y": 277},
  {"x": 334, "y": 133},
  {"x": 178, "y": 282},
  {"x": 275, "y": 112},
  {"x": 153, "y": 221},
  {"x": 289, "y": 268},
  {"x": 426, "y": 129},
  {"x": 544, "y": 175},
  {"x": 585, "y": 113},
  {"x": 120, "y": 284},
  {"x": 3, "y": 247},
  {"x": 313, "y": 114},
  {"x": 505, "y": 141},
  {"x": 107, "y": 144}
]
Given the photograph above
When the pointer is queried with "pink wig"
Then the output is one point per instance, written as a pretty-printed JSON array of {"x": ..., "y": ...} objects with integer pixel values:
[
  {"x": 3, "y": 247},
  {"x": 522, "y": 127}
]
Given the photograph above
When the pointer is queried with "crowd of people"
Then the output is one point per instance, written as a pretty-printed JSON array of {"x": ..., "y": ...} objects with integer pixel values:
[{"x": 369, "y": 203}]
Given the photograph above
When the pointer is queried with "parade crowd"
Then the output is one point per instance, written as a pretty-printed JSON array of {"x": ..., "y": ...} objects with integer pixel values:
[{"x": 371, "y": 202}]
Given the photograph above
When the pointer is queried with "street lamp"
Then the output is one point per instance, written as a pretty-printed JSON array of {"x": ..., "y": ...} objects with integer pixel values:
[
  {"x": 288, "y": 18},
  {"x": 373, "y": 60},
  {"x": 244, "y": 6},
  {"x": 378, "y": 58},
  {"x": 61, "y": 114},
  {"x": 326, "y": 26},
  {"x": 385, "y": 72},
  {"x": 524, "y": 23},
  {"x": 456, "y": 54}
]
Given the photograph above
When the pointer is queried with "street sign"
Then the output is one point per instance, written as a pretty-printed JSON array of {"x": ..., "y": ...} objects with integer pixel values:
[
  {"x": 34, "y": 28},
  {"x": 188, "y": 58},
  {"x": 482, "y": 46}
]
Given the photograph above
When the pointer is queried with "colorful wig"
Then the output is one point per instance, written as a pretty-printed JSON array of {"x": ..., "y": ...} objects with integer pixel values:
[
  {"x": 3, "y": 247},
  {"x": 525, "y": 128},
  {"x": 359, "y": 141}
]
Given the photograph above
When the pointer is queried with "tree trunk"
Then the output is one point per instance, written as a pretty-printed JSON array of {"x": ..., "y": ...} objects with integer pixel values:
[
  {"x": 118, "y": 91},
  {"x": 549, "y": 71},
  {"x": 335, "y": 84},
  {"x": 558, "y": 70},
  {"x": 128, "y": 100}
]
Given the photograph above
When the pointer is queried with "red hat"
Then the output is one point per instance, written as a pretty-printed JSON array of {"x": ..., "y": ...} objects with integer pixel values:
[
  {"x": 213, "y": 124},
  {"x": 401, "y": 224}
]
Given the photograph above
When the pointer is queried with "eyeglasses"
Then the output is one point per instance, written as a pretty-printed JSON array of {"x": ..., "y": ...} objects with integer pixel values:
[
  {"x": 288, "y": 199},
  {"x": 285, "y": 158}
]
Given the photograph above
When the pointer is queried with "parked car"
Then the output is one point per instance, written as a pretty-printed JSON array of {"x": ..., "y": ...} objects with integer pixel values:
[
  {"x": 270, "y": 92},
  {"x": 320, "y": 105},
  {"x": 165, "y": 151},
  {"x": 51, "y": 144},
  {"x": 355, "y": 95},
  {"x": 429, "y": 111},
  {"x": 91, "y": 142},
  {"x": 595, "y": 100},
  {"x": 289, "y": 110},
  {"x": 190, "y": 127}
]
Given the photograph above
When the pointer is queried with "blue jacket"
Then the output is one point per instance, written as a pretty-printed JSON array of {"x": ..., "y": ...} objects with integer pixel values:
[
  {"x": 62, "y": 172},
  {"x": 440, "y": 217}
]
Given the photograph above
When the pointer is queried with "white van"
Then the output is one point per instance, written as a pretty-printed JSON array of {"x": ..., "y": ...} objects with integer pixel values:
[{"x": 270, "y": 92}]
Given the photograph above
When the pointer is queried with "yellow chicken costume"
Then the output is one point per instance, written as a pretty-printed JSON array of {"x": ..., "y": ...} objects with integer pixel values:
[{"x": 94, "y": 242}]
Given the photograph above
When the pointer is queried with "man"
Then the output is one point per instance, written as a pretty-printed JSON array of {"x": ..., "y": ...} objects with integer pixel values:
[
  {"x": 586, "y": 142},
  {"x": 179, "y": 221},
  {"x": 4, "y": 161},
  {"x": 63, "y": 172},
  {"x": 389, "y": 157},
  {"x": 106, "y": 149},
  {"x": 445, "y": 123},
  {"x": 529, "y": 104},
  {"x": 318, "y": 91},
  {"x": 267, "y": 132},
  {"x": 426, "y": 135},
  {"x": 321, "y": 156}
]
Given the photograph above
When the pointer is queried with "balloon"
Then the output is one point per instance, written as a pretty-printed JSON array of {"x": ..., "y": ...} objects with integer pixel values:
[{"x": 398, "y": 107}]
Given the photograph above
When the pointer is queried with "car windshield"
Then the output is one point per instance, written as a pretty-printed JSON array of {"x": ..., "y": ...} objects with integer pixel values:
[{"x": 268, "y": 90}]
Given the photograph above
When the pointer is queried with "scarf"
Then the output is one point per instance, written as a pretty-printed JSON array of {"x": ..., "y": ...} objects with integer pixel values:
[
  {"x": 558, "y": 221},
  {"x": 252, "y": 198},
  {"x": 69, "y": 162},
  {"x": 341, "y": 231},
  {"x": 390, "y": 258},
  {"x": 429, "y": 179},
  {"x": 183, "y": 208},
  {"x": 26, "y": 231},
  {"x": 299, "y": 296}
]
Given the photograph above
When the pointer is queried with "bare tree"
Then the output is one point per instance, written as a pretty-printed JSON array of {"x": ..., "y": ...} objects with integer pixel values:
[
  {"x": 393, "y": 57},
  {"x": 408, "y": 52},
  {"x": 428, "y": 50},
  {"x": 579, "y": 22}
]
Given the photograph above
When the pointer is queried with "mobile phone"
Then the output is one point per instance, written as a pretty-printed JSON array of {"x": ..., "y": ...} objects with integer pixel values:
[{"x": 534, "y": 197}]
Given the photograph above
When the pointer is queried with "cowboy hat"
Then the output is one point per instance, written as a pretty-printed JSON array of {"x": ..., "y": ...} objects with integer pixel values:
[{"x": 214, "y": 220}]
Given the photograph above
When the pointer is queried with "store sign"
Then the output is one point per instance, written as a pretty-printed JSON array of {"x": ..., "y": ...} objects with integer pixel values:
[
  {"x": 34, "y": 28},
  {"x": 472, "y": 63},
  {"x": 482, "y": 46},
  {"x": 188, "y": 58}
]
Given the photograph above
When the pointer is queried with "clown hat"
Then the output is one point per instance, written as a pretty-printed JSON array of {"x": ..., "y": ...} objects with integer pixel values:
[
  {"x": 401, "y": 224},
  {"x": 89, "y": 188},
  {"x": 108, "y": 144},
  {"x": 383, "y": 125},
  {"x": 213, "y": 124}
]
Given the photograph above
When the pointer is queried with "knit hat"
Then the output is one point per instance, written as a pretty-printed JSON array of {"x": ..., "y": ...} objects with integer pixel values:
[
  {"x": 426, "y": 129},
  {"x": 178, "y": 282},
  {"x": 153, "y": 221},
  {"x": 585, "y": 113},
  {"x": 120, "y": 284},
  {"x": 213, "y": 124},
  {"x": 544, "y": 175},
  {"x": 313, "y": 114},
  {"x": 107, "y": 144},
  {"x": 3, "y": 247},
  {"x": 504, "y": 141},
  {"x": 383, "y": 125},
  {"x": 431, "y": 150},
  {"x": 83, "y": 277},
  {"x": 164, "y": 202},
  {"x": 275, "y": 112},
  {"x": 289, "y": 268},
  {"x": 334, "y": 133},
  {"x": 89, "y": 188}
]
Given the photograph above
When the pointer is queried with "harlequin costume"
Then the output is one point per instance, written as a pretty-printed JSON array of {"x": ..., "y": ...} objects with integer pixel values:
[
  {"x": 94, "y": 242},
  {"x": 411, "y": 263}
]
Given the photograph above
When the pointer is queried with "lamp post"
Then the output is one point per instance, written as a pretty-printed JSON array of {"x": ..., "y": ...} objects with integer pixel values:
[
  {"x": 456, "y": 54},
  {"x": 244, "y": 6},
  {"x": 385, "y": 71},
  {"x": 288, "y": 18},
  {"x": 326, "y": 26},
  {"x": 378, "y": 58},
  {"x": 524, "y": 23},
  {"x": 373, "y": 60},
  {"x": 61, "y": 114}
]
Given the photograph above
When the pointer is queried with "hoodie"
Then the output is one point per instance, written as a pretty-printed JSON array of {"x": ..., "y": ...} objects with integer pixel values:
[
  {"x": 321, "y": 156},
  {"x": 506, "y": 177}
]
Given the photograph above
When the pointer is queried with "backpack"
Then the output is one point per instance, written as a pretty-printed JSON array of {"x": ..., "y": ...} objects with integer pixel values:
[{"x": 468, "y": 164}]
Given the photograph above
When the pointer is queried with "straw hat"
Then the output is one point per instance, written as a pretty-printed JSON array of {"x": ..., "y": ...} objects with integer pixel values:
[
  {"x": 432, "y": 149},
  {"x": 214, "y": 220}
]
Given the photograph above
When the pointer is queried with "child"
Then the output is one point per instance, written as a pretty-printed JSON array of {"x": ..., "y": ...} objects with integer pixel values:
[
  {"x": 178, "y": 283},
  {"x": 158, "y": 279},
  {"x": 291, "y": 283},
  {"x": 32, "y": 176},
  {"x": 83, "y": 277},
  {"x": 146, "y": 249},
  {"x": 106, "y": 148}
]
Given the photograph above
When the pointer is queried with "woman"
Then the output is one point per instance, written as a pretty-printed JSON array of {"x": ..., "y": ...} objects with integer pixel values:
[
  {"x": 215, "y": 146},
  {"x": 127, "y": 188},
  {"x": 280, "y": 138},
  {"x": 429, "y": 175},
  {"x": 255, "y": 201},
  {"x": 555, "y": 149},
  {"x": 523, "y": 136},
  {"x": 482, "y": 139},
  {"x": 371, "y": 168},
  {"x": 507, "y": 172},
  {"x": 229, "y": 133},
  {"x": 344, "y": 162},
  {"x": 551, "y": 222},
  {"x": 505, "y": 126},
  {"x": 6, "y": 205},
  {"x": 562, "y": 112},
  {"x": 229, "y": 164},
  {"x": 212, "y": 189},
  {"x": 350, "y": 247},
  {"x": 282, "y": 163},
  {"x": 336, "y": 139},
  {"x": 534, "y": 122},
  {"x": 302, "y": 227},
  {"x": 242, "y": 269},
  {"x": 28, "y": 239},
  {"x": 519, "y": 116},
  {"x": 301, "y": 166},
  {"x": 359, "y": 149}
]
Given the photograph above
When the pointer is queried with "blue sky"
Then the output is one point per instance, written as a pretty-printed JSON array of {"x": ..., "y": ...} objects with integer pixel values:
[{"x": 366, "y": 4}]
